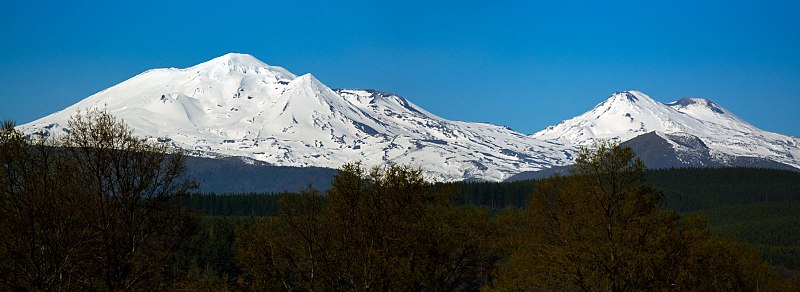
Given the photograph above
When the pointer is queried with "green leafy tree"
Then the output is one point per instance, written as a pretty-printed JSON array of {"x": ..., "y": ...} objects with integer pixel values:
[
  {"x": 715, "y": 263},
  {"x": 601, "y": 228},
  {"x": 380, "y": 230}
]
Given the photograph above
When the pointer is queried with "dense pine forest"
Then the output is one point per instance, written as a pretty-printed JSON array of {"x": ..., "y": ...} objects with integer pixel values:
[{"x": 99, "y": 209}]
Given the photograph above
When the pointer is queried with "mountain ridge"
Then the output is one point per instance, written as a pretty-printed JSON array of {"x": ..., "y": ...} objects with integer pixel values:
[
  {"x": 224, "y": 108},
  {"x": 237, "y": 106},
  {"x": 628, "y": 114}
]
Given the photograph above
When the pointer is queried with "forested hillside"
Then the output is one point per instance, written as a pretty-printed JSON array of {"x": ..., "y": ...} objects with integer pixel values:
[{"x": 754, "y": 205}]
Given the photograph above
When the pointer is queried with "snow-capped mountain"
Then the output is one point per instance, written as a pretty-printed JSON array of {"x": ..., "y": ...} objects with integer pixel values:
[
  {"x": 626, "y": 115},
  {"x": 236, "y": 105}
]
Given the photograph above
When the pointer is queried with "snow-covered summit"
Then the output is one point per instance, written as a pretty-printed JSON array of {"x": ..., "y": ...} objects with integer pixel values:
[
  {"x": 622, "y": 116},
  {"x": 235, "y": 62},
  {"x": 235, "y": 66},
  {"x": 628, "y": 114},
  {"x": 235, "y": 59},
  {"x": 236, "y": 105}
]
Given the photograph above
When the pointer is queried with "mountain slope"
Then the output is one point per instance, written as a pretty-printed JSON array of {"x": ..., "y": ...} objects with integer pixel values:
[
  {"x": 625, "y": 115},
  {"x": 238, "y": 106},
  {"x": 234, "y": 175},
  {"x": 235, "y": 105},
  {"x": 622, "y": 116}
]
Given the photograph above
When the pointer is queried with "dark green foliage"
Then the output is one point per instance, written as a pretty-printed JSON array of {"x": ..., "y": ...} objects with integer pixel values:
[
  {"x": 773, "y": 228},
  {"x": 491, "y": 194},
  {"x": 602, "y": 229},
  {"x": 697, "y": 189},
  {"x": 379, "y": 230},
  {"x": 768, "y": 226},
  {"x": 692, "y": 189},
  {"x": 685, "y": 189},
  {"x": 246, "y": 204},
  {"x": 757, "y": 206},
  {"x": 215, "y": 243},
  {"x": 212, "y": 257}
]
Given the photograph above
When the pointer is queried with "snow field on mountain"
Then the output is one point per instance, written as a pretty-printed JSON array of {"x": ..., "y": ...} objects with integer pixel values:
[
  {"x": 625, "y": 115},
  {"x": 236, "y": 105}
]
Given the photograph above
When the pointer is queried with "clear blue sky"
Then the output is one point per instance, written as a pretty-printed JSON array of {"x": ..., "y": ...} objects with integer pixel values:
[{"x": 524, "y": 64}]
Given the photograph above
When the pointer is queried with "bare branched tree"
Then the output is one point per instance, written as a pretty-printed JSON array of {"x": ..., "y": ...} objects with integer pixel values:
[{"x": 99, "y": 203}]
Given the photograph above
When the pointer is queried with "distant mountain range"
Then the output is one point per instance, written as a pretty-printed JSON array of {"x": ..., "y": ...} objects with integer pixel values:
[{"x": 238, "y": 107}]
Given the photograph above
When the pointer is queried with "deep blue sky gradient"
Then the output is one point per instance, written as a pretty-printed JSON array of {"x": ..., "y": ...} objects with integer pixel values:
[{"x": 524, "y": 64}]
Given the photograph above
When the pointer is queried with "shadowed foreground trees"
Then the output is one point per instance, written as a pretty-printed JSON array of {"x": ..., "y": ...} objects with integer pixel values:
[
  {"x": 45, "y": 245},
  {"x": 96, "y": 208},
  {"x": 601, "y": 228},
  {"x": 382, "y": 230}
]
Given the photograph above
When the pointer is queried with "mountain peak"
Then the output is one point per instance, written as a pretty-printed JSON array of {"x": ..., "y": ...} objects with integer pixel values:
[
  {"x": 240, "y": 65},
  {"x": 623, "y": 115},
  {"x": 690, "y": 101},
  {"x": 238, "y": 59},
  {"x": 631, "y": 96},
  {"x": 689, "y": 121},
  {"x": 308, "y": 77},
  {"x": 627, "y": 101},
  {"x": 309, "y": 81}
]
